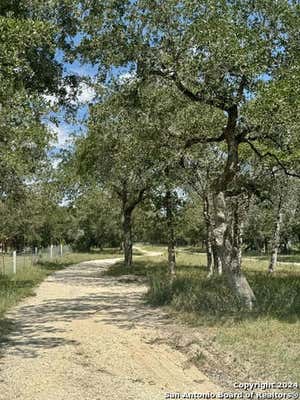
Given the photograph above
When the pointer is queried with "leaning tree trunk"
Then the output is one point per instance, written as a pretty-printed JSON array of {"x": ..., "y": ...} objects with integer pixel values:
[
  {"x": 276, "y": 238},
  {"x": 127, "y": 237},
  {"x": 226, "y": 247},
  {"x": 228, "y": 251},
  {"x": 171, "y": 236}
]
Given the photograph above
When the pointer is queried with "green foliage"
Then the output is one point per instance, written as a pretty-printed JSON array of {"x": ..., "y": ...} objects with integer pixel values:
[
  {"x": 151, "y": 224},
  {"x": 219, "y": 55},
  {"x": 190, "y": 33},
  {"x": 116, "y": 153},
  {"x": 29, "y": 72},
  {"x": 34, "y": 217},
  {"x": 28, "y": 47},
  {"x": 24, "y": 141},
  {"x": 27, "y": 56},
  {"x": 96, "y": 221},
  {"x": 259, "y": 224}
]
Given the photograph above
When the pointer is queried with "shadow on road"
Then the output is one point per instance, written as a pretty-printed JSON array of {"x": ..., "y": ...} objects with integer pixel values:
[{"x": 35, "y": 327}]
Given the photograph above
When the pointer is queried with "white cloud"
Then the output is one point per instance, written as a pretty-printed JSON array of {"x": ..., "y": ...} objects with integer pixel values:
[
  {"x": 85, "y": 94},
  {"x": 127, "y": 77},
  {"x": 55, "y": 162},
  {"x": 62, "y": 133},
  {"x": 51, "y": 99}
]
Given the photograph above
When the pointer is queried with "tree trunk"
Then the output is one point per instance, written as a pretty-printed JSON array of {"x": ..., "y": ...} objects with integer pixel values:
[
  {"x": 266, "y": 246},
  {"x": 171, "y": 236},
  {"x": 276, "y": 238},
  {"x": 129, "y": 202},
  {"x": 209, "y": 237},
  {"x": 238, "y": 231},
  {"x": 228, "y": 251},
  {"x": 172, "y": 259},
  {"x": 217, "y": 261},
  {"x": 209, "y": 256},
  {"x": 127, "y": 232}
]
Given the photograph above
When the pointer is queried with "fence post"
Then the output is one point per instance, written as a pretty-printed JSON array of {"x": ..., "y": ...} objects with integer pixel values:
[
  {"x": 61, "y": 250},
  {"x": 15, "y": 262},
  {"x": 51, "y": 251}
]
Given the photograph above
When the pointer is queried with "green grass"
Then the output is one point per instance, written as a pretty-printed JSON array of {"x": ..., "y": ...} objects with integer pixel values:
[
  {"x": 263, "y": 344},
  {"x": 293, "y": 257},
  {"x": 142, "y": 247},
  {"x": 75, "y": 258}
]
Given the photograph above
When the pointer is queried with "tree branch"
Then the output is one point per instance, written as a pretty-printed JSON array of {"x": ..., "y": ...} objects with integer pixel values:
[
  {"x": 139, "y": 199},
  {"x": 271, "y": 155},
  {"x": 242, "y": 135},
  {"x": 218, "y": 102},
  {"x": 200, "y": 139}
]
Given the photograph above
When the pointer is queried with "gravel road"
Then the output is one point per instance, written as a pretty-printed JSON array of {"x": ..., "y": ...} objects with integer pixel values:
[{"x": 86, "y": 336}]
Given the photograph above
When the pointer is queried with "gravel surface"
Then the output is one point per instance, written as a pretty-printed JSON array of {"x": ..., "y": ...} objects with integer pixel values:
[{"x": 86, "y": 336}]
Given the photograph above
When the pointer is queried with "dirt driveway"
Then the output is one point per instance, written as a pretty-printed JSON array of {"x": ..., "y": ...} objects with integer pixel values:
[{"x": 85, "y": 336}]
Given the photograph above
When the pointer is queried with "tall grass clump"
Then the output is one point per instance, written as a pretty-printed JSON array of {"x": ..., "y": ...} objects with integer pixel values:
[
  {"x": 277, "y": 295},
  {"x": 160, "y": 290},
  {"x": 191, "y": 291},
  {"x": 15, "y": 287}
]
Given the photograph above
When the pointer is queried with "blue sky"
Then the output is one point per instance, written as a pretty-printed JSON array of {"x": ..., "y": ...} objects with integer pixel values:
[{"x": 63, "y": 129}]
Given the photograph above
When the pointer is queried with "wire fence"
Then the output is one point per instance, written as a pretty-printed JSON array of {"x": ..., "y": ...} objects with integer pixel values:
[{"x": 14, "y": 261}]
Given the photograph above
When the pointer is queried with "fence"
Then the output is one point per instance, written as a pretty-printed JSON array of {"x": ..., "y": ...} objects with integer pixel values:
[{"x": 14, "y": 261}]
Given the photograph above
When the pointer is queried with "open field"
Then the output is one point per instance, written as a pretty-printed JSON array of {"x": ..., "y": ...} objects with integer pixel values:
[{"x": 262, "y": 345}]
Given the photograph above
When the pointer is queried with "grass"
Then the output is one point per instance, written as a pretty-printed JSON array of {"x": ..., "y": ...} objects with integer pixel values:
[
  {"x": 261, "y": 345},
  {"x": 293, "y": 257},
  {"x": 75, "y": 258}
]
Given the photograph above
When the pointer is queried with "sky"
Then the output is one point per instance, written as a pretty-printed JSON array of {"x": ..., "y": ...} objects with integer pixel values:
[{"x": 86, "y": 94}]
